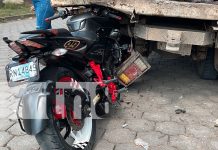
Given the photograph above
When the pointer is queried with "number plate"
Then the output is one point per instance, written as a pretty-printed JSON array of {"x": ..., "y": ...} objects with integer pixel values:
[{"x": 19, "y": 73}]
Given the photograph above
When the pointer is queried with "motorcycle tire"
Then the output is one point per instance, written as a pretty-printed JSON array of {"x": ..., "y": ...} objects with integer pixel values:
[{"x": 51, "y": 138}]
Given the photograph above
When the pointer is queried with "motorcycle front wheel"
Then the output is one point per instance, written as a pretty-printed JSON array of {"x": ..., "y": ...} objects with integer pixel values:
[{"x": 59, "y": 135}]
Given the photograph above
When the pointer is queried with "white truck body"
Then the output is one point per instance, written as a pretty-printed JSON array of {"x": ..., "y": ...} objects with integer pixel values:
[{"x": 185, "y": 25}]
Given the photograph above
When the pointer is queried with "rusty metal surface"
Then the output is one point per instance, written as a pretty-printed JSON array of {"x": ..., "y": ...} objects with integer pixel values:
[{"x": 166, "y": 8}]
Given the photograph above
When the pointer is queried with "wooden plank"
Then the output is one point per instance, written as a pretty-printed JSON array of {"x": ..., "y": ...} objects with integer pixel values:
[{"x": 164, "y": 8}]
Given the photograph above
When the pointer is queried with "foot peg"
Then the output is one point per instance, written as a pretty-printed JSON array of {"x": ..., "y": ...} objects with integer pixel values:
[
  {"x": 110, "y": 81},
  {"x": 122, "y": 90}
]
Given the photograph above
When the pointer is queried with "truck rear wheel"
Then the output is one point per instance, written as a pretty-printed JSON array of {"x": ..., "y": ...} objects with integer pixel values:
[{"x": 205, "y": 68}]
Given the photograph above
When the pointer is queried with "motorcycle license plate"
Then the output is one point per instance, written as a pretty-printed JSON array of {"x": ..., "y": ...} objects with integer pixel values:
[{"x": 18, "y": 73}]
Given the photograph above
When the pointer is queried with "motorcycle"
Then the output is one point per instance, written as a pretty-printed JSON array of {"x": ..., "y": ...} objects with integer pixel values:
[{"x": 95, "y": 50}]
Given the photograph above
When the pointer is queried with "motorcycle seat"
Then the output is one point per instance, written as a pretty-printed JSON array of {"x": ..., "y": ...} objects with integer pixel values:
[{"x": 49, "y": 33}]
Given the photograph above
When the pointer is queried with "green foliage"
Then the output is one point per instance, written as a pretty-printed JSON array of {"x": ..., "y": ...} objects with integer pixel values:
[{"x": 14, "y": 9}]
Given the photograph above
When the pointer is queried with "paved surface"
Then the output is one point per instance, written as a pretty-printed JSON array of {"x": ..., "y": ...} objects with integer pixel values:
[{"x": 148, "y": 109}]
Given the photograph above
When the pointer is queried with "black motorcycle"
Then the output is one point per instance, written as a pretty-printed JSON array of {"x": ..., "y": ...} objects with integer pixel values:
[{"x": 91, "y": 51}]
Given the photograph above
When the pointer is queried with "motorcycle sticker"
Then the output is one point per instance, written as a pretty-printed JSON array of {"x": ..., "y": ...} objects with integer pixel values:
[{"x": 71, "y": 44}]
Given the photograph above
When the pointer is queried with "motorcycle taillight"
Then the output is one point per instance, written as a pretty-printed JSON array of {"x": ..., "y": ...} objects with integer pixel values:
[
  {"x": 134, "y": 67},
  {"x": 16, "y": 48}
]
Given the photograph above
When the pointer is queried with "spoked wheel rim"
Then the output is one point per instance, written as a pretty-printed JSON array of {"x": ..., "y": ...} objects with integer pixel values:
[{"x": 74, "y": 139}]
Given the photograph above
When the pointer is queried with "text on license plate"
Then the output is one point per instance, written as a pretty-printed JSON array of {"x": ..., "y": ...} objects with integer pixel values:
[{"x": 23, "y": 72}]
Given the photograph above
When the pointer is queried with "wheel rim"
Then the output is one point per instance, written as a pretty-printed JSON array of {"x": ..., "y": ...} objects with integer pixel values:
[
  {"x": 77, "y": 139},
  {"x": 82, "y": 137}
]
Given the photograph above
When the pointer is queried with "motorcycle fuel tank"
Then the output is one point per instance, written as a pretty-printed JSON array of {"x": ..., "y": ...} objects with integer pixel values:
[{"x": 88, "y": 25}]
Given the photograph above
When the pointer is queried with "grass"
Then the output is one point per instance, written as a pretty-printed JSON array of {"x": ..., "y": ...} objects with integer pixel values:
[{"x": 14, "y": 10}]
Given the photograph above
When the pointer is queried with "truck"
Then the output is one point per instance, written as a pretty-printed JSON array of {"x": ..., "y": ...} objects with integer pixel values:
[{"x": 181, "y": 27}]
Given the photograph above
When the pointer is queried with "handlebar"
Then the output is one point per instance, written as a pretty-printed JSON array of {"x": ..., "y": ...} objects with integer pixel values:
[
  {"x": 56, "y": 16},
  {"x": 65, "y": 13},
  {"x": 110, "y": 15},
  {"x": 6, "y": 40},
  {"x": 114, "y": 16},
  {"x": 61, "y": 14}
]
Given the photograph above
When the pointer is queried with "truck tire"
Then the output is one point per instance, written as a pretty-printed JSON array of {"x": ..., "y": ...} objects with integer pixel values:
[{"x": 205, "y": 68}]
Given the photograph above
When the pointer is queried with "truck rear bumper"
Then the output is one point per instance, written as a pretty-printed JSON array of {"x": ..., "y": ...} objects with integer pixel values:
[{"x": 175, "y": 40}]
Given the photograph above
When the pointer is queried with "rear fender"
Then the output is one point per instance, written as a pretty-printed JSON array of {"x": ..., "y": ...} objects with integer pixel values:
[{"x": 35, "y": 104}]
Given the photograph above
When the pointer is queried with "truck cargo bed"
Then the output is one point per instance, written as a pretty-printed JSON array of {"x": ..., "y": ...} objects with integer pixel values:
[{"x": 166, "y": 8}]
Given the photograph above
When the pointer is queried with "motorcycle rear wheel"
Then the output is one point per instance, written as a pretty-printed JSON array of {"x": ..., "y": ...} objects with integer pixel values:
[{"x": 52, "y": 137}]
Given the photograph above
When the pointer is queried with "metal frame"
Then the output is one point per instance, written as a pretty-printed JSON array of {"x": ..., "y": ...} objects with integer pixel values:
[{"x": 18, "y": 116}]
